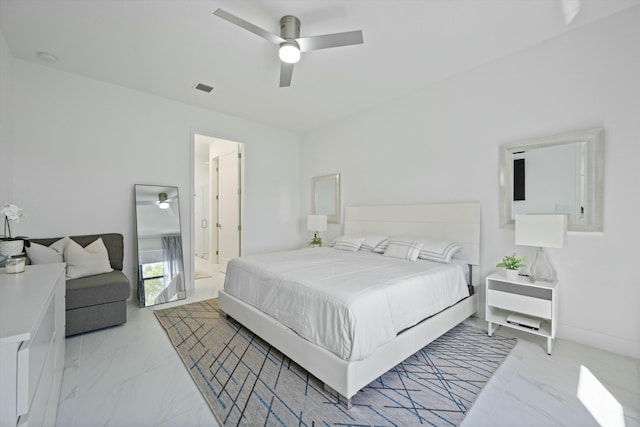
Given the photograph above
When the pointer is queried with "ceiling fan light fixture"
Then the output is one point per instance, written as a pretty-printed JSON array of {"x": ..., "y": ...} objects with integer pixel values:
[
  {"x": 162, "y": 199},
  {"x": 289, "y": 52}
]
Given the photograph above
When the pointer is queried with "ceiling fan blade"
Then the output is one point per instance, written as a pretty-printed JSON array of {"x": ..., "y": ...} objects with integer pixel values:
[
  {"x": 330, "y": 40},
  {"x": 286, "y": 72},
  {"x": 570, "y": 9},
  {"x": 249, "y": 26}
]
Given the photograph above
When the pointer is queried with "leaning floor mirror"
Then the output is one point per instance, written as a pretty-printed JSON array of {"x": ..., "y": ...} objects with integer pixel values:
[{"x": 160, "y": 262}]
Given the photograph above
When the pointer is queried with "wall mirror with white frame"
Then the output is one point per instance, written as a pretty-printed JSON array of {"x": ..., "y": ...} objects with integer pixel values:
[
  {"x": 325, "y": 197},
  {"x": 559, "y": 174}
]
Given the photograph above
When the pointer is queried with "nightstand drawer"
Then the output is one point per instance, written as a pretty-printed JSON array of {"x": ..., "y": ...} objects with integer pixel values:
[{"x": 520, "y": 303}]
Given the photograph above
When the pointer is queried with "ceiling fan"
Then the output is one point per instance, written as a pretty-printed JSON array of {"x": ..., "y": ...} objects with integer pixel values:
[
  {"x": 291, "y": 45},
  {"x": 163, "y": 202}
]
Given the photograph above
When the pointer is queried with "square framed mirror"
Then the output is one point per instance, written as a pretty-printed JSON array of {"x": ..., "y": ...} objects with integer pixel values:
[{"x": 559, "y": 174}]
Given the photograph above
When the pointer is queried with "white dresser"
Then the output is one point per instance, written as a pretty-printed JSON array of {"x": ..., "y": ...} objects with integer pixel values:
[{"x": 32, "y": 322}]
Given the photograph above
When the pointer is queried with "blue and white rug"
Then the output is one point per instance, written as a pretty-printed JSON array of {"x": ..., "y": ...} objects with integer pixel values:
[{"x": 249, "y": 383}]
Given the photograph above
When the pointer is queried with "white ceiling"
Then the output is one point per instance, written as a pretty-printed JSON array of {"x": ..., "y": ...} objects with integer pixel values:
[{"x": 165, "y": 47}]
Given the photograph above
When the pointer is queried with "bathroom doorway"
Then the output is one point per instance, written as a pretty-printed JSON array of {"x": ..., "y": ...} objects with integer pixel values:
[{"x": 218, "y": 172}]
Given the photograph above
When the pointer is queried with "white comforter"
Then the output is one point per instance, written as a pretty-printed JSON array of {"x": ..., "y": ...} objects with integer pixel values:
[{"x": 350, "y": 303}]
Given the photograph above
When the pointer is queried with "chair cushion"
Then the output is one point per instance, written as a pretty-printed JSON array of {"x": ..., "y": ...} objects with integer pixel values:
[{"x": 99, "y": 289}]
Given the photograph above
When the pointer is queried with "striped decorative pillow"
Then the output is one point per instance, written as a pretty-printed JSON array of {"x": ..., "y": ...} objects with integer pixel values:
[
  {"x": 432, "y": 249},
  {"x": 371, "y": 242},
  {"x": 403, "y": 249},
  {"x": 381, "y": 247},
  {"x": 438, "y": 250},
  {"x": 348, "y": 243}
]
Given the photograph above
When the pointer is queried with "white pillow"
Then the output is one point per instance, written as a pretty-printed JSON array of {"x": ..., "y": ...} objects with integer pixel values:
[
  {"x": 438, "y": 250},
  {"x": 433, "y": 249},
  {"x": 88, "y": 261},
  {"x": 382, "y": 246},
  {"x": 40, "y": 254},
  {"x": 349, "y": 243},
  {"x": 371, "y": 242},
  {"x": 403, "y": 249}
]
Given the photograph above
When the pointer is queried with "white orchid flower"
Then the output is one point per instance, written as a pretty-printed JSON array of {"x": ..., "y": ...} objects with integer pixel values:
[{"x": 12, "y": 212}]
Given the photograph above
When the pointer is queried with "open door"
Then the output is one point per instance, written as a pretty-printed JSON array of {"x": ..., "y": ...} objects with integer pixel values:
[
  {"x": 229, "y": 203},
  {"x": 214, "y": 209}
]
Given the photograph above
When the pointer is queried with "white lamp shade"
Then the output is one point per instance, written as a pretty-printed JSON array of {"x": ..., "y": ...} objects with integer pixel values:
[
  {"x": 545, "y": 231},
  {"x": 317, "y": 223}
]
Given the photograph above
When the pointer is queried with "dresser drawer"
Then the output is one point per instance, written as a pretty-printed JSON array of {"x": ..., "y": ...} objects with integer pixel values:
[
  {"x": 32, "y": 328},
  {"x": 520, "y": 303},
  {"x": 32, "y": 360}
]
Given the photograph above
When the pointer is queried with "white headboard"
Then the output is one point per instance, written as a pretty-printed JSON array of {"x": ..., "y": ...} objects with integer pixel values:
[{"x": 457, "y": 222}]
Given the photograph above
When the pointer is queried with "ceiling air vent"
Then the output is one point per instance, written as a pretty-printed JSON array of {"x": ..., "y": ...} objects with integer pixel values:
[{"x": 203, "y": 87}]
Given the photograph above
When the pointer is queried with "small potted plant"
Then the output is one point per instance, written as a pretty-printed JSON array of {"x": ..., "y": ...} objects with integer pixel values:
[
  {"x": 511, "y": 264},
  {"x": 10, "y": 246},
  {"x": 316, "y": 241}
]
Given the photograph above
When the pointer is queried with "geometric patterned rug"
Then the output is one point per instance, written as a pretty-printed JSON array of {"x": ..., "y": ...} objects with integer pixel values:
[{"x": 246, "y": 382}]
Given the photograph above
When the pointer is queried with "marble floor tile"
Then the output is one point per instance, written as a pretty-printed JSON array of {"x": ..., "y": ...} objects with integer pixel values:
[
  {"x": 130, "y": 375},
  {"x": 532, "y": 388}
]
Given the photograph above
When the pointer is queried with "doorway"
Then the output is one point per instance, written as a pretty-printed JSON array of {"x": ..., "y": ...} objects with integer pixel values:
[{"x": 218, "y": 173}]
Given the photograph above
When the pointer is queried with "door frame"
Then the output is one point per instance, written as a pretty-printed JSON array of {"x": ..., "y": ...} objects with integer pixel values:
[{"x": 208, "y": 133}]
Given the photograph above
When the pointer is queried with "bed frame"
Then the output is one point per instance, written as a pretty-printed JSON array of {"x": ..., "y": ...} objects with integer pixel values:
[{"x": 459, "y": 222}]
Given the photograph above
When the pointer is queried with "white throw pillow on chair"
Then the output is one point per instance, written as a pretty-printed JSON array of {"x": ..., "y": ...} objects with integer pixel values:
[
  {"x": 88, "y": 261},
  {"x": 40, "y": 254}
]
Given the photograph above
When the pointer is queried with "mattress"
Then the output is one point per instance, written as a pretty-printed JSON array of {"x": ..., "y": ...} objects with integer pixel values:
[{"x": 349, "y": 303}]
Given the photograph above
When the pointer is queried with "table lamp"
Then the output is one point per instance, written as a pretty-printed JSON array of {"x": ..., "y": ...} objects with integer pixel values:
[{"x": 543, "y": 231}]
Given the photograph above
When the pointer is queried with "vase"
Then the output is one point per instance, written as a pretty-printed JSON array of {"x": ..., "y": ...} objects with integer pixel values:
[
  {"x": 511, "y": 274},
  {"x": 11, "y": 247}
]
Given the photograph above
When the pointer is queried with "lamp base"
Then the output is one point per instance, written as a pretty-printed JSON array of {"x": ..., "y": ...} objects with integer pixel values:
[{"x": 542, "y": 269}]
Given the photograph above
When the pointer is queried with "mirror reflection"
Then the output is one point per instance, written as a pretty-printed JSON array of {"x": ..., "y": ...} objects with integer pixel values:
[
  {"x": 557, "y": 174},
  {"x": 556, "y": 180},
  {"x": 160, "y": 261},
  {"x": 325, "y": 194}
]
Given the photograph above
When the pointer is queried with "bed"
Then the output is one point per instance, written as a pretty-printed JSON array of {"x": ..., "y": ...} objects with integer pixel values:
[{"x": 254, "y": 295}]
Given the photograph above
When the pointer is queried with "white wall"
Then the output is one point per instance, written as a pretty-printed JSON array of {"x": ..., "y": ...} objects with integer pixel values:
[
  {"x": 5, "y": 154},
  {"x": 79, "y": 145},
  {"x": 441, "y": 144}
]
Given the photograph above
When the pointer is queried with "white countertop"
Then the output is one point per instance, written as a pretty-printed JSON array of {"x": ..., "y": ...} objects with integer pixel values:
[{"x": 23, "y": 298}]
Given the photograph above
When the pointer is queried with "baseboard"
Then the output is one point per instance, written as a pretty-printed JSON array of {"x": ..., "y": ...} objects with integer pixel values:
[{"x": 602, "y": 341}]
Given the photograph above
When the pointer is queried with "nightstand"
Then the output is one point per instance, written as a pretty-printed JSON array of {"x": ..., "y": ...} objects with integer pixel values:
[{"x": 513, "y": 303}]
